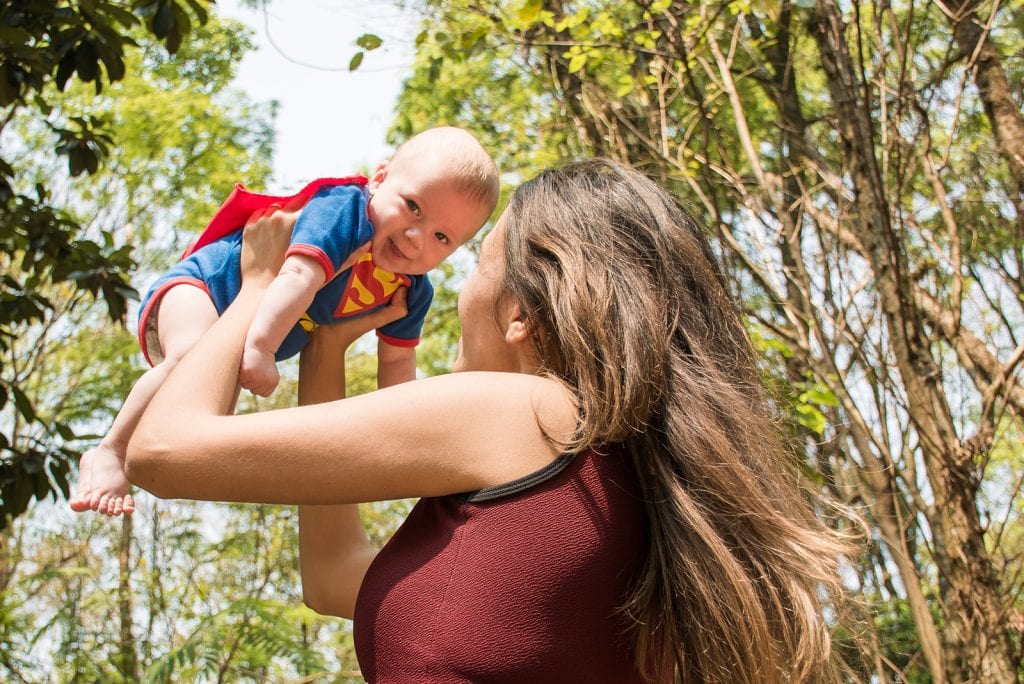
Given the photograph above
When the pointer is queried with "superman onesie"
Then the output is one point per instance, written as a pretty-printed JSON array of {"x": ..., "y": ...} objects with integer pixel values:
[{"x": 332, "y": 226}]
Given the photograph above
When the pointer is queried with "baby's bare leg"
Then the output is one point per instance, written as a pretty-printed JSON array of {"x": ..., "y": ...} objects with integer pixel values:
[{"x": 185, "y": 313}]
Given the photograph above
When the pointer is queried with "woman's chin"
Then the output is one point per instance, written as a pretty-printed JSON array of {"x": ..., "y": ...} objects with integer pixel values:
[{"x": 459, "y": 364}]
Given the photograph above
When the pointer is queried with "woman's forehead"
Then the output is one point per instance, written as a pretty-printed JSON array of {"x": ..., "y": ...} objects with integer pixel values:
[{"x": 495, "y": 235}]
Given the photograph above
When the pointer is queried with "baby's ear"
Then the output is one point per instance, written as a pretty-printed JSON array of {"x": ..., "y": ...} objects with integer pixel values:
[{"x": 379, "y": 174}]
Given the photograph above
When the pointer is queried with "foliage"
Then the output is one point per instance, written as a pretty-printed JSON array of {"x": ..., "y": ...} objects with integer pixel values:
[
  {"x": 214, "y": 596},
  {"x": 213, "y": 589},
  {"x": 44, "y": 47}
]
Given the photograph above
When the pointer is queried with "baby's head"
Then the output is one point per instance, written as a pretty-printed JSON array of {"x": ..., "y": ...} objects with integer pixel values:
[{"x": 434, "y": 194}]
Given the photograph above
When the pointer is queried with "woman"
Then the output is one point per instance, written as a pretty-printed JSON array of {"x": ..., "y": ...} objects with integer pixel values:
[{"x": 604, "y": 498}]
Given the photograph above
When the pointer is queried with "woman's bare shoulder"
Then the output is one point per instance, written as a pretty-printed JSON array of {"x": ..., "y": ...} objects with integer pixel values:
[
  {"x": 532, "y": 398},
  {"x": 522, "y": 417}
]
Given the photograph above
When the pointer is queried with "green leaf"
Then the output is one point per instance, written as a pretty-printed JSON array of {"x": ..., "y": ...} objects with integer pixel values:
[
  {"x": 163, "y": 20},
  {"x": 14, "y": 36},
  {"x": 811, "y": 418},
  {"x": 625, "y": 86},
  {"x": 9, "y": 89},
  {"x": 820, "y": 396},
  {"x": 123, "y": 16},
  {"x": 114, "y": 65},
  {"x": 577, "y": 62},
  {"x": 356, "y": 60},
  {"x": 200, "y": 11},
  {"x": 368, "y": 41},
  {"x": 65, "y": 68},
  {"x": 24, "y": 406},
  {"x": 529, "y": 13}
]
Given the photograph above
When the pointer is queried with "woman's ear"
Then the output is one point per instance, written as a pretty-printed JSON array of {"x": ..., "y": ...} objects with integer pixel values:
[{"x": 516, "y": 330}]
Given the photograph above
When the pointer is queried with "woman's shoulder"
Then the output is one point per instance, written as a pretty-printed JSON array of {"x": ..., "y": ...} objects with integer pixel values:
[
  {"x": 524, "y": 418},
  {"x": 520, "y": 394}
]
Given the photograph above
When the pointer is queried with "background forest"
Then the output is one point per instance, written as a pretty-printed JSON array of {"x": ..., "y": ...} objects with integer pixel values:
[{"x": 859, "y": 165}]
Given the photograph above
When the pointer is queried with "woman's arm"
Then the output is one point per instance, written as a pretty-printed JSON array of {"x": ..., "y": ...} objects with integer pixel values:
[
  {"x": 395, "y": 365},
  {"x": 334, "y": 551},
  {"x": 426, "y": 437}
]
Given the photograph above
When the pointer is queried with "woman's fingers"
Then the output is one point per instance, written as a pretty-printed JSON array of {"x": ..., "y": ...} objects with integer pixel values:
[
  {"x": 348, "y": 330},
  {"x": 265, "y": 239},
  {"x": 397, "y": 307},
  {"x": 389, "y": 313}
]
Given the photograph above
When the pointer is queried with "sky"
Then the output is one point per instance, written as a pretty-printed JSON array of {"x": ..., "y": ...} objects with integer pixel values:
[{"x": 331, "y": 121}]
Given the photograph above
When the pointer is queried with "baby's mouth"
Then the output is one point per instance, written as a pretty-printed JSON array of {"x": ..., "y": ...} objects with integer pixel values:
[{"x": 395, "y": 252}]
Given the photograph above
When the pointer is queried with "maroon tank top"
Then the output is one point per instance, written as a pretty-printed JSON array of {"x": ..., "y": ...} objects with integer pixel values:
[{"x": 517, "y": 583}]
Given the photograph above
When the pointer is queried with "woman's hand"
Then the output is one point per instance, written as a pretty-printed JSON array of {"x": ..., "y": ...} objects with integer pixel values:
[
  {"x": 265, "y": 239},
  {"x": 343, "y": 333}
]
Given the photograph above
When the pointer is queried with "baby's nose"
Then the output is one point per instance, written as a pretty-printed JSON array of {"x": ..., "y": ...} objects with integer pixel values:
[{"x": 414, "y": 234}]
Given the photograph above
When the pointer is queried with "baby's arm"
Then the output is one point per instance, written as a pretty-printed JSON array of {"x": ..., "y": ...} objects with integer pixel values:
[
  {"x": 395, "y": 365},
  {"x": 287, "y": 298}
]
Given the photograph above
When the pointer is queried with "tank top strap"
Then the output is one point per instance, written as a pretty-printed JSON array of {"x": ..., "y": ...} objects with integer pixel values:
[{"x": 519, "y": 484}]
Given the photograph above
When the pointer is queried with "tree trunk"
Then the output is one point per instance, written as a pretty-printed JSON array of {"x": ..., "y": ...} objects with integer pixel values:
[
  {"x": 977, "y": 641},
  {"x": 127, "y": 660},
  {"x": 1002, "y": 109},
  {"x": 994, "y": 89}
]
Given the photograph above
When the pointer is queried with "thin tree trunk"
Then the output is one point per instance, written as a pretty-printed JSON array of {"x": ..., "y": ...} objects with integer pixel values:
[
  {"x": 885, "y": 512},
  {"x": 1003, "y": 110},
  {"x": 127, "y": 659},
  {"x": 571, "y": 89},
  {"x": 976, "y": 637},
  {"x": 876, "y": 479}
]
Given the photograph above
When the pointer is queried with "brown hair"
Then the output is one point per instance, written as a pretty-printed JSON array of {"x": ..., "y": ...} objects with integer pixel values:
[{"x": 627, "y": 307}]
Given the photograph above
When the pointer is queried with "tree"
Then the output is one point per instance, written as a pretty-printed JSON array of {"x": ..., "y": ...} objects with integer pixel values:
[
  {"x": 862, "y": 176},
  {"x": 44, "y": 47},
  {"x": 183, "y": 138},
  {"x": 213, "y": 590}
]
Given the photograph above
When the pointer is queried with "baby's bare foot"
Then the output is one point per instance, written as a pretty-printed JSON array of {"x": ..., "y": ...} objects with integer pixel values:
[{"x": 102, "y": 486}]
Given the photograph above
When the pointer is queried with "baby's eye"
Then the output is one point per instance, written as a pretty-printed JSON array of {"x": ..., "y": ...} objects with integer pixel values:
[
  {"x": 442, "y": 238},
  {"x": 412, "y": 206}
]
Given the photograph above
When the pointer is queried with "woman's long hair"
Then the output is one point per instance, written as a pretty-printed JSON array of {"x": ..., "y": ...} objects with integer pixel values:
[{"x": 628, "y": 308}]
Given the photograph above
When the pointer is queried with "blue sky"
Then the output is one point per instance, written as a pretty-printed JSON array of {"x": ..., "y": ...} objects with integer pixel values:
[{"x": 331, "y": 121}]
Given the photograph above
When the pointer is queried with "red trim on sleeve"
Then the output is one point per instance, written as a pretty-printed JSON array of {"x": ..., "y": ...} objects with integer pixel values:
[
  {"x": 154, "y": 300},
  {"x": 314, "y": 252},
  {"x": 398, "y": 342}
]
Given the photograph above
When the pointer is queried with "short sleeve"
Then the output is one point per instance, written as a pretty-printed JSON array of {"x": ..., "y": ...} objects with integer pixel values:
[
  {"x": 405, "y": 332},
  {"x": 332, "y": 225}
]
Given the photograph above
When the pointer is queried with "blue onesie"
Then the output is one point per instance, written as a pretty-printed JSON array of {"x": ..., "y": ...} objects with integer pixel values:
[{"x": 333, "y": 224}]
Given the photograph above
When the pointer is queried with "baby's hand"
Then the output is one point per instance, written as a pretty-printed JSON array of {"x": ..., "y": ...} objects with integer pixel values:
[{"x": 258, "y": 372}]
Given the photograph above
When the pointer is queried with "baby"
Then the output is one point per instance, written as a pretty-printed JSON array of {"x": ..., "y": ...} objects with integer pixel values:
[{"x": 356, "y": 242}]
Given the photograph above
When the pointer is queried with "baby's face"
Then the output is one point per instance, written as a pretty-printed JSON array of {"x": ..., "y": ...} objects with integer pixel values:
[{"x": 419, "y": 218}]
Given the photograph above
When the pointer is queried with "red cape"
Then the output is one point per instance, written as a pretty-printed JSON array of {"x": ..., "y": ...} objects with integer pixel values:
[{"x": 241, "y": 203}]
